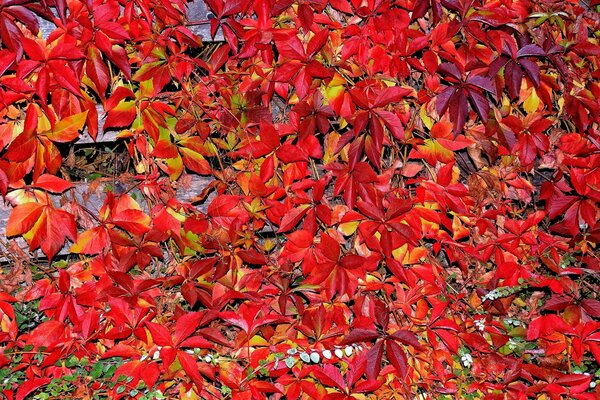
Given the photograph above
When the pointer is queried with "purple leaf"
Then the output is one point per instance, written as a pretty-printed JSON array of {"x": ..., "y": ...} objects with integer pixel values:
[
  {"x": 459, "y": 109},
  {"x": 532, "y": 70},
  {"x": 482, "y": 82},
  {"x": 480, "y": 104},
  {"x": 360, "y": 335},
  {"x": 513, "y": 75},
  {"x": 442, "y": 101},
  {"x": 450, "y": 69},
  {"x": 497, "y": 65},
  {"x": 531, "y": 50}
]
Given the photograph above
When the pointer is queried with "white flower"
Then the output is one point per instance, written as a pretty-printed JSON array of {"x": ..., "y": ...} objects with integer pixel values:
[
  {"x": 480, "y": 324},
  {"x": 466, "y": 360}
]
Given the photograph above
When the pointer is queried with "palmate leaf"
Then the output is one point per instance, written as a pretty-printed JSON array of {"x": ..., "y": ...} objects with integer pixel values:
[
  {"x": 464, "y": 91},
  {"x": 43, "y": 226}
]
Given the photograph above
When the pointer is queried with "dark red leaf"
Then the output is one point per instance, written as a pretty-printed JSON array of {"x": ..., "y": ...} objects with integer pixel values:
[
  {"x": 360, "y": 335},
  {"x": 397, "y": 357}
]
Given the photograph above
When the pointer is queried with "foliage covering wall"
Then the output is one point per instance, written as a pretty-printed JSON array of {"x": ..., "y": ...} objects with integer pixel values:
[{"x": 404, "y": 205}]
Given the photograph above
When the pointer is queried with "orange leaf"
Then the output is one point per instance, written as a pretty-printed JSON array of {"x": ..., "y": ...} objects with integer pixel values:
[
  {"x": 92, "y": 241},
  {"x": 22, "y": 218},
  {"x": 432, "y": 151},
  {"x": 42, "y": 226},
  {"x": 51, "y": 230},
  {"x": 68, "y": 129}
]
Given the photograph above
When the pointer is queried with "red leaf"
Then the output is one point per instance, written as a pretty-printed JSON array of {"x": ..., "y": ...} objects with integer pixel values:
[
  {"x": 459, "y": 110},
  {"x": 330, "y": 376},
  {"x": 135, "y": 222},
  {"x": 196, "y": 341},
  {"x": 52, "y": 183},
  {"x": 317, "y": 42},
  {"x": 393, "y": 123},
  {"x": 97, "y": 71},
  {"x": 390, "y": 95},
  {"x": 546, "y": 325},
  {"x": 190, "y": 366},
  {"x": 121, "y": 350},
  {"x": 65, "y": 76},
  {"x": 93, "y": 241},
  {"x": 164, "y": 149},
  {"x": 120, "y": 116},
  {"x": 532, "y": 70},
  {"x": 291, "y": 218},
  {"x": 186, "y": 325},
  {"x": 160, "y": 335},
  {"x": 482, "y": 82},
  {"x": 29, "y": 386},
  {"x": 47, "y": 334},
  {"x": 480, "y": 104},
  {"x": 42, "y": 226}
]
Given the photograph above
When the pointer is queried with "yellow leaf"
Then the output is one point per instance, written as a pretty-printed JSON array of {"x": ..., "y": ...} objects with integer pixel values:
[
  {"x": 258, "y": 340},
  {"x": 532, "y": 102},
  {"x": 425, "y": 118},
  {"x": 348, "y": 228}
]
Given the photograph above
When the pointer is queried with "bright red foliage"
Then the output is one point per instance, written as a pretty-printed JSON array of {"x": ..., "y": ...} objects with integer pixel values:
[{"x": 404, "y": 204}]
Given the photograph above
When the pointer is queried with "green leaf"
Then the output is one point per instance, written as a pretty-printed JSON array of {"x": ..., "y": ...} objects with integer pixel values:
[{"x": 289, "y": 362}]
